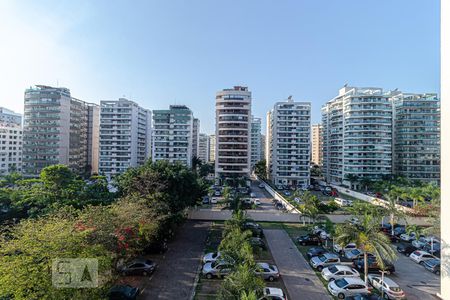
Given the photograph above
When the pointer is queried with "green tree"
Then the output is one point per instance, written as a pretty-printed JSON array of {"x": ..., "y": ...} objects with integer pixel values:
[
  {"x": 27, "y": 253},
  {"x": 391, "y": 207},
  {"x": 366, "y": 182},
  {"x": 261, "y": 169},
  {"x": 310, "y": 206},
  {"x": 368, "y": 238},
  {"x": 242, "y": 281},
  {"x": 352, "y": 178}
]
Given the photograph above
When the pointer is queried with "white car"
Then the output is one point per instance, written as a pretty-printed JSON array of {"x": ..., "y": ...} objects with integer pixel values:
[
  {"x": 273, "y": 293},
  {"x": 338, "y": 248},
  {"x": 214, "y": 200},
  {"x": 421, "y": 256},
  {"x": 210, "y": 257},
  {"x": 256, "y": 201},
  {"x": 343, "y": 202},
  {"x": 390, "y": 289},
  {"x": 408, "y": 237},
  {"x": 324, "y": 260},
  {"x": 253, "y": 195},
  {"x": 348, "y": 286},
  {"x": 338, "y": 271}
]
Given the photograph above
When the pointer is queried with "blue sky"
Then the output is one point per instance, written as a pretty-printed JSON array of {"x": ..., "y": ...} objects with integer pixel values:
[{"x": 172, "y": 51}]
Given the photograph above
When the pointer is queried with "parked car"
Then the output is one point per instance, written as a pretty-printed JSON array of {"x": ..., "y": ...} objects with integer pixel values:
[
  {"x": 257, "y": 242},
  {"x": 434, "y": 248},
  {"x": 266, "y": 271},
  {"x": 399, "y": 230},
  {"x": 261, "y": 185},
  {"x": 324, "y": 260},
  {"x": 345, "y": 287},
  {"x": 205, "y": 200},
  {"x": 353, "y": 254},
  {"x": 338, "y": 271},
  {"x": 433, "y": 265},
  {"x": 218, "y": 268},
  {"x": 343, "y": 202},
  {"x": 408, "y": 237},
  {"x": 420, "y": 256},
  {"x": 406, "y": 249},
  {"x": 339, "y": 249},
  {"x": 123, "y": 292},
  {"x": 217, "y": 193},
  {"x": 253, "y": 195},
  {"x": 309, "y": 239},
  {"x": 364, "y": 297},
  {"x": 316, "y": 251},
  {"x": 211, "y": 256},
  {"x": 273, "y": 293},
  {"x": 214, "y": 200},
  {"x": 139, "y": 266},
  {"x": 373, "y": 266},
  {"x": 419, "y": 244},
  {"x": 257, "y": 202},
  {"x": 387, "y": 286}
]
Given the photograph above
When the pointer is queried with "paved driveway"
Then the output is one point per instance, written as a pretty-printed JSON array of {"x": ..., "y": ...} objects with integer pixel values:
[
  {"x": 263, "y": 196},
  {"x": 417, "y": 282},
  {"x": 300, "y": 280},
  {"x": 177, "y": 268}
]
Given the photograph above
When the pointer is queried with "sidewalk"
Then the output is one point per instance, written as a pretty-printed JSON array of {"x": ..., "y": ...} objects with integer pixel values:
[{"x": 300, "y": 280}]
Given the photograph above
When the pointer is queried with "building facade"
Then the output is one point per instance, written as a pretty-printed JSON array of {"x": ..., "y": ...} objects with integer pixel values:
[
  {"x": 316, "y": 144},
  {"x": 195, "y": 136},
  {"x": 233, "y": 124},
  {"x": 417, "y": 136},
  {"x": 10, "y": 141},
  {"x": 255, "y": 140},
  {"x": 203, "y": 148},
  {"x": 125, "y": 136},
  {"x": 55, "y": 130},
  {"x": 212, "y": 148},
  {"x": 173, "y": 135},
  {"x": 357, "y": 135},
  {"x": 289, "y": 143},
  {"x": 93, "y": 136}
]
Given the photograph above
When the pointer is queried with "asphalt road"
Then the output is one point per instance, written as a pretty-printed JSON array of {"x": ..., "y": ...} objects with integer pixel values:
[
  {"x": 263, "y": 196},
  {"x": 300, "y": 280},
  {"x": 177, "y": 268}
]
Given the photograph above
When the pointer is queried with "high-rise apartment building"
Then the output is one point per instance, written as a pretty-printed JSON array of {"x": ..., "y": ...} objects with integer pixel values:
[
  {"x": 10, "y": 141},
  {"x": 417, "y": 136},
  {"x": 233, "y": 119},
  {"x": 125, "y": 136},
  {"x": 263, "y": 147},
  {"x": 203, "y": 148},
  {"x": 289, "y": 143},
  {"x": 195, "y": 136},
  {"x": 255, "y": 141},
  {"x": 212, "y": 147},
  {"x": 316, "y": 144},
  {"x": 172, "y": 134},
  {"x": 55, "y": 130},
  {"x": 357, "y": 135}
]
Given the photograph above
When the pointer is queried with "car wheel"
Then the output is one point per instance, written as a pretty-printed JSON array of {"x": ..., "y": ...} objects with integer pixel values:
[
  {"x": 209, "y": 276},
  {"x": 319, "y": 268},
  {"x": 271, "y": 278},
  {"x": 341, "y": 296},
  {"x": 421, "y": 263}
]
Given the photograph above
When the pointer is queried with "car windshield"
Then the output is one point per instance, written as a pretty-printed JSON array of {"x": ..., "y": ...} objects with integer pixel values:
[
  {"x": 322, "y": 258},
  {"x": 341, "y": 282},
  {"x": 214, "y": 255},
  {"x": 355, "y": 252},
  {"x": 433, "y": 262},
  {"x": 333, "y": 269}
]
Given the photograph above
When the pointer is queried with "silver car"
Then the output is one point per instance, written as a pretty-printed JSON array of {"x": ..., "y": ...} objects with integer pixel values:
[
  {"x": 266, "y": 271},
  {"x": 338, "y": 271},
  {"x": 349, "y": 286},
  {"x": 324, "y": 260},
  {"x": 217, "y": 268}
]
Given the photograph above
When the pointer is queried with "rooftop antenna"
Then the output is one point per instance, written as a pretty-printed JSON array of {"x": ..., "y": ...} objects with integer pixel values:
[
  {"x": 345, "y": 85},
  {"x": 290, "y": 98}
]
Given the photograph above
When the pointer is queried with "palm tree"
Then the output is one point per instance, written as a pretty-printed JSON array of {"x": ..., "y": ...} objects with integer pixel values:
[
  {"x": 368, "y": 238},
  {"x": 416, "y": 229},
  {"x": 352, "y": 178},
  {"x": 391, "y": 208},
  {"x": 365, "y": 182}
]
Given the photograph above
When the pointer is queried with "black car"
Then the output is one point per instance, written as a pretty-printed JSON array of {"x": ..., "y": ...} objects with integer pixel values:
[
  {"x": 316, "y": 251},
  {"x": 406, "y": 249},
  {"x": 254, "y": 228},
  {"x": 373, "y": 266},
  {"x": 309, "y": 239},
  {"x": 140, "y": 266},
  {"x": 257, "y": 242},
  {"x": 123, "y": 292},
  {"x": 363, "y": 297}
]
